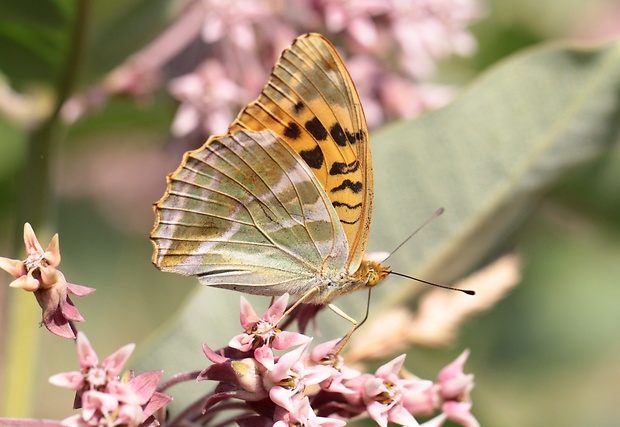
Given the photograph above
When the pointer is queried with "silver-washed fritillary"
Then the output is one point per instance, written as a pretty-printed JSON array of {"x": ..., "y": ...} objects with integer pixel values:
[{"x": 282, "y": 202}]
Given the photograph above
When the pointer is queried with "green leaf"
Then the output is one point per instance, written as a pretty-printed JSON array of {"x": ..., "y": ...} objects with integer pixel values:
[
  {"x": 33, "y": 39},
  {"x": 489, "y": 156}
]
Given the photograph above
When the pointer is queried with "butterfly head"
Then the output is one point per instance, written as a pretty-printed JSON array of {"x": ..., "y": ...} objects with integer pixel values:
[{"x": 372, "y": 272}]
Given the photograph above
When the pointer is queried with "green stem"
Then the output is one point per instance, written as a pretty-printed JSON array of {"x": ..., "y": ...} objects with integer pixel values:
[{"x": 36, "y": 204}]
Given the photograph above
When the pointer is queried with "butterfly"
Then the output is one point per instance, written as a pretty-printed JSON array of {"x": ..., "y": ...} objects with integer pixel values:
[{"x": 282, "y": 203}]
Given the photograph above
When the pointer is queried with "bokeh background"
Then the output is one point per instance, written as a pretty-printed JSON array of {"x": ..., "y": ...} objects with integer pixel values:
[{"x": 546, "y": 354}]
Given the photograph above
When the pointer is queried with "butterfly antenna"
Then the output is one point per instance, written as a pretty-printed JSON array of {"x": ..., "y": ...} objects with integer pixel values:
[
  {"x": 437, "y": 213},
  {"x": 465, "y": 291}
]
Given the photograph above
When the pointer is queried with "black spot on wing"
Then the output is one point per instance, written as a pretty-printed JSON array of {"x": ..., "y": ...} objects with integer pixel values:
[
  {"x": 314, "y": 158},
  {"x": 351, "y": 138},
  {"x": 356, "y": 186},
  {"x": 337, "y": 204},
  {"x": 292, "y": 130},
  {"x": 340, "y": 168},
  {"x": 338, "y": 134},
  {"x": 316, "y": 129},
  {"x": 299, "y": 107}
]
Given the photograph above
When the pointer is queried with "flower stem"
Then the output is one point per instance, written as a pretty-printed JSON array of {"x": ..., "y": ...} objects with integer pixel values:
[{"x": 36, "y": 204}]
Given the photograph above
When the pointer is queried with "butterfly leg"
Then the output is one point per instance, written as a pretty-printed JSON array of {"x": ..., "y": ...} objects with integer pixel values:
[
  {"x": 298, "y": 302},
  {"x": 355, "y": 323}
]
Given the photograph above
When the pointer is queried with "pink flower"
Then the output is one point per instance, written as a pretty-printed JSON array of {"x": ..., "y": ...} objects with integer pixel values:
[
  {"x": 107, "y": 399},
  {"x": 262, "y": 334},
  {"x": 92, "y": 376},
  {"x": 303, "y": 415},
  {"x": 38, "y": 274},
  {"x": 450, "y": 394},
  {"x": 291, "y": 375},
  {"x": 384, "y": 393}
]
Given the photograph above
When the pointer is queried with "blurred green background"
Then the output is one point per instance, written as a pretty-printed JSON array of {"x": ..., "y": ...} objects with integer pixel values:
[{"x": 548, "y": 354}]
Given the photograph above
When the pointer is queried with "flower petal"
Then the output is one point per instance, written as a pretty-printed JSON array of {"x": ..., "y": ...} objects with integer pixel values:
[
  {"x": 86, "y": 355},
  {"x": 79, "y": 290},
  {"x": 247, "y": 316},
  {"x": 114, "y": 363},
  {"x": 459, "y": 412},
  {"x": 391, "y": 368},
  {"x": 277, "y": 309},
  {"x": 26, "y": 282},
  {"x": 12, "y": 266},
  {"x": 144, "y": 385},
  {"x": 30, "y": 240},
  {"x": 73, "y": 380},
  {"x": 52, "y": 253}
]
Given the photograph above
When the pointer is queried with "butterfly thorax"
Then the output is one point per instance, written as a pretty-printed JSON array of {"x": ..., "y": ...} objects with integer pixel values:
[{"x": 369, "y": 274}]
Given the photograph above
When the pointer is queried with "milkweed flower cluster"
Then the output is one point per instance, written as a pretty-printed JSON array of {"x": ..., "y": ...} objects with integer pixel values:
[
  {"x": 315, "y": 387},
  {"x": 391, "y": 48},
  {"x": 107, "y": 399}
]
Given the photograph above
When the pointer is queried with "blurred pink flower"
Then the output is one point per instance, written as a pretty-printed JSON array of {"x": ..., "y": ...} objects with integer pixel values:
[
  {"x": 107, "y": 399},
  {"x": 206, "y": 95},
  {"x": 303, "y": 415},
  {"x": 38, "y": 274}
]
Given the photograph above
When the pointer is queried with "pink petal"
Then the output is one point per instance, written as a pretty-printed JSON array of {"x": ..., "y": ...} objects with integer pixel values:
[
  {"x": 12, "y": 266},
  {"x": 282, "y": 397},
  {"x": 401, "y": 416},
  {"x": 374, "y": 387},
  {"x": 287, "y": 339},
  {"x": 70, "y": 311},
  {"x": 26, "y": 282},
  {"x": 93, "y": 399},
  {"x": 58, "y": 325},
  {"x": 436, "y": 421},
  {"x": 113, "y": 364},
  {"x": 455, "y": 368},
  {"x": 122, "y": 392},
  {"x": 31, "y": 242},
  {"x": 264, "y": 356},
  {"x": 317, "y": 374},
  {"x": 285, "y": 362},
  {"x": 277, "y": 309},
  {"x": 248, "y": 316},
  {"x": 459, "y": 412},
  {"x": 73, "y": 380},
  {"x": 144, "y": 385},
  {"x": 391, "y": 368},
  {"x": 50, "y": 277},
  {"x": 212, "y": 355},
  {"x": 52, "y": 253},
  {"x": 322, "y": 350},
  {"x": 378, "y": 412},
  {"x": 157, "y": 401},
  {"x": 79, "y": 290},
  {"x": 86, "y": 355},
  {"x": 242, "y": 342}
]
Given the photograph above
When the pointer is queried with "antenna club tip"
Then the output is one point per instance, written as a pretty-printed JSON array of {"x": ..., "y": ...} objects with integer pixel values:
[
  {"x": 440, "y": 211},
  {"x": 468, "y": 292}
]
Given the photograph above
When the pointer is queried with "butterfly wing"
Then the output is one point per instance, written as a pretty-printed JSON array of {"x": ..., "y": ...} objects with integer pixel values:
[
  {"x": 244, "y": 212},
  {"x": 311, "y": 102}
]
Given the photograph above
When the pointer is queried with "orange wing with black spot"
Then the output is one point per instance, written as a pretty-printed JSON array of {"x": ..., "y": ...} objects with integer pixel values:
[{"x": 311, "y": 102}]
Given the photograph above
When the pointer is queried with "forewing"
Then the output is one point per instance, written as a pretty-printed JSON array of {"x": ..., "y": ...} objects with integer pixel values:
[
  {"x": 311, "y": 102},
  {"x": 244, "y": 212}
]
